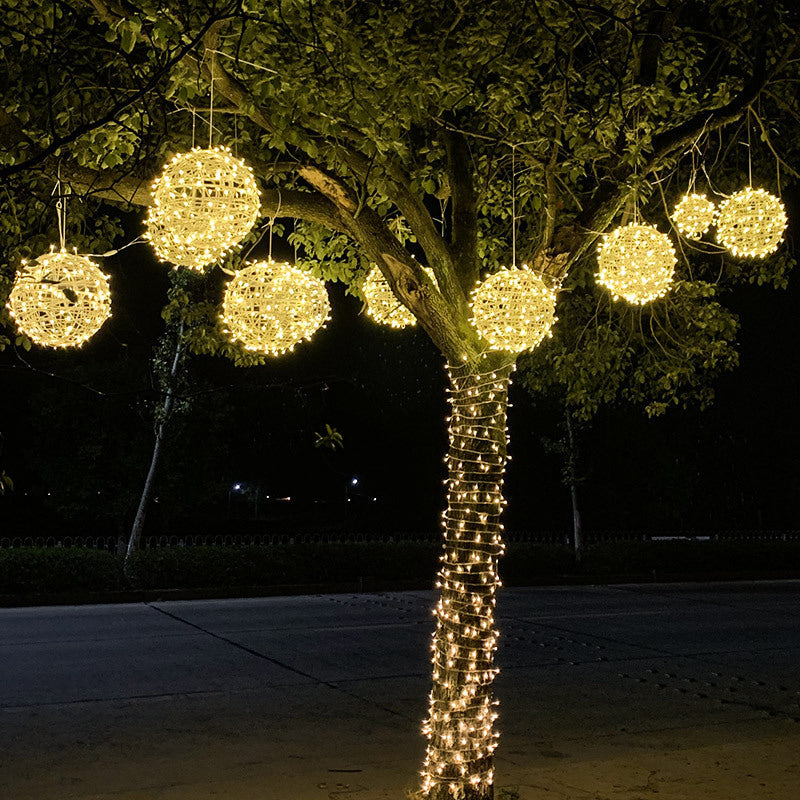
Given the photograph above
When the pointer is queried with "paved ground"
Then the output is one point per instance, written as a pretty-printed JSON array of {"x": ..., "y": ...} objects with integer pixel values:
[{"x": 682, "y": 692}]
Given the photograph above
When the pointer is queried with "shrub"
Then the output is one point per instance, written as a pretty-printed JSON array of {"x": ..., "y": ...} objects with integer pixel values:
[{"x": 36, "y": 570}]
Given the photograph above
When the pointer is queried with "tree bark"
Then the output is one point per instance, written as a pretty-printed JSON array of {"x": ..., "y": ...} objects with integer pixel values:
[
  {"x": 147, "y": 490},
  {"x": 460, "y": 724},
  {"x": 572, "y": 467}
]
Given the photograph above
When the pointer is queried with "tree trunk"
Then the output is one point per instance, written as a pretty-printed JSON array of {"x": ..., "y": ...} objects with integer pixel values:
[
  {"x": 460, "y": 724},
  {"x": 572, "y": 469},
  {"x": 147, "y": 490},
  {"x": 577, "y": 529}
]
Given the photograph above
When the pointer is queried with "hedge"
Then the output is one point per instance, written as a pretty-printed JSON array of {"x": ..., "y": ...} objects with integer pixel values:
[{"x": 33, "y": 571}]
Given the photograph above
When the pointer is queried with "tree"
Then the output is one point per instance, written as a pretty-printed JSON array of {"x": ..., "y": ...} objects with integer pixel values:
[{"x": 364, "y": 122}]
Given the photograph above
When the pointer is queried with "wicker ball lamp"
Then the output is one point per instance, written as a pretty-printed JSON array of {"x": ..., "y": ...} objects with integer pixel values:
[
  {"x": 514, "y": 310},
  {"x": 270, "y": 308},
  {"x": 204, "y": 203},
  {"x": 751, "y": 223},
  {"x": 60, "y": 299},
  {"x": 636, "y": 262}
]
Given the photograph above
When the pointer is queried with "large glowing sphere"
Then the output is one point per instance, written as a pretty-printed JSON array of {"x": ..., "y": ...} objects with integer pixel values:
[
  {"x": 60, "y": 299},
  {"x": 751, "y": 223},
  {"x": 636, "y": 262},
  {"x": 270, "y": 308},
  {"x": 204, "y": 203},
  {"x": 514, "y": 310}
]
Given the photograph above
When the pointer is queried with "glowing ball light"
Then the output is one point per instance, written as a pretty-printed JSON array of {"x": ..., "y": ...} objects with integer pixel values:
[
  {"x": 270, "y": 308},
  {"x": 60, "y": 300},
  {"x": 636, "y": 262},
  {"x": 382, "y": 303},
  {"x": 751, "y": 223},
  {"x": 514, "y": 310},
  {"x": 204, "y": 203},
  {"x": 694, "y": 215}
]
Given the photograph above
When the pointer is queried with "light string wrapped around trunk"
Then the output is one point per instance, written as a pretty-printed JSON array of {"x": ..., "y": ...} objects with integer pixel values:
[{"x": 460, "y": 723}]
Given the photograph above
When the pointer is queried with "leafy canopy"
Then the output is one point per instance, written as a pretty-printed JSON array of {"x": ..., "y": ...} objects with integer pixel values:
[{"x": 386, "y": 130}]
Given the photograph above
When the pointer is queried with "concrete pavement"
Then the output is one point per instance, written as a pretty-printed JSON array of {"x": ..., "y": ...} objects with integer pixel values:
[{"x": 628, "y": 692}]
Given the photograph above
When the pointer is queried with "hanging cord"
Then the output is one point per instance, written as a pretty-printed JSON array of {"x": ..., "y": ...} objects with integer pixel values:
[
  {"x": 211, "y": 109},
  {"x": 61, "y": 211},
  {"x": 514, "y": 205},
  {"x": 749, "y": 153},
  {"x": 194, "y": 125},
  {"x": 236, "y": 133}
]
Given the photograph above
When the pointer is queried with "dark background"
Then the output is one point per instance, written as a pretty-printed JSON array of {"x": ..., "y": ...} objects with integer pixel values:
[{"x": 77, "y": 434}]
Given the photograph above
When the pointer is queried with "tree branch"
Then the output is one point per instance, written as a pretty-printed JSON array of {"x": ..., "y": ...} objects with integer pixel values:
[
  {"x": 113, "y": 112},
  {"x": 397, "y": 184},
  {"x": 118, "y": 187},
  {"x": 465, "y": 213}
]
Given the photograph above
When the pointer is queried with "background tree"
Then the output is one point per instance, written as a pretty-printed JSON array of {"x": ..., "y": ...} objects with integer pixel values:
[{"x": 366, "y": 120}]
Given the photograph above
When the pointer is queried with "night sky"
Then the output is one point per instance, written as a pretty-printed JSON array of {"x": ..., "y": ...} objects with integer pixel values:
[{"x": 79, "y": 457}]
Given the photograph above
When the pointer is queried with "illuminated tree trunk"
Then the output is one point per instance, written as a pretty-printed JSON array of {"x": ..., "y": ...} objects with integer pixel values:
[{"x": 460, "y": 724}]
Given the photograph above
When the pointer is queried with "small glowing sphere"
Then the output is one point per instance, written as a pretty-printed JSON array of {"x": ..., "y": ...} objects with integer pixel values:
[
  {"x": 694, "y": 215},
  {"x": 60, "y": 300},
  {"x": 751, "y": 223},
  {"x": 382, "y": 303},
  {"x": 204, "y": 203},
  {"x": 636, "y": 262},
  {"x": 514, "y": 310},
  {"x": 270, "y": 308}
]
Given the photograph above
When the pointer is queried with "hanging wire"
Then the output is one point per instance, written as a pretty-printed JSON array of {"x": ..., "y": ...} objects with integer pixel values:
[
  {"x": 236, "y": 133},
  {"x": 513, "y": 205},
  {"x": 61, "y": 210},
  {"x": 749, "y": 152},
  {"x": 211, "y": 108}
]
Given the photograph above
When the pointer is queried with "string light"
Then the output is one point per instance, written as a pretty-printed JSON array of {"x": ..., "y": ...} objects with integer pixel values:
[
  {"x": 270, "y": 308},
  {"x": 694, "y": 215},
  {"x": 751, "y": 223},
  {"x": 514, "y": 310},
  {"x": 636, "y": 262},
  {"x": 204, "y": 203},
  {"x": 60, "y": 299},
  {"x": 460, "y": 723},
  {"x": 382, "y": 303}
]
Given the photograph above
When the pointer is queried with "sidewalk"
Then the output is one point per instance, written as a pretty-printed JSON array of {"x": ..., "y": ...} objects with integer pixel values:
[{"x": 674, "y": 692}]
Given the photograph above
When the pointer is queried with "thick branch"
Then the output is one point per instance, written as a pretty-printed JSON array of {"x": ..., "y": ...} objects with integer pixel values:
[
  {"x": 447, "y": 327},
  {"x": 397, "y": 184},
  {"x": 660, "y": 25},
  {"x": 465, "y": 214},
  {"x": 125, "y": 188}
]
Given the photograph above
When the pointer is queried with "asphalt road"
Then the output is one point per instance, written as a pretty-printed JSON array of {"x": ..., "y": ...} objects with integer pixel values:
[{"x": 674, "y": 692}]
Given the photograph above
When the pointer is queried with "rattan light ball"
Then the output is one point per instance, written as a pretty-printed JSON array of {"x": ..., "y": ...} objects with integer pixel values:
[
  {"x": 270, "y": 308},
  {"x": 694, "y": 215},
  {"x": 204, "y": 203},
  {"x": 751, "y": 223},
  {"x": 514, "y": 310},
  {"x": 382, "y": 304},
  {"x": 60, "y": 300},
  {"x": 636, "y": 262}
]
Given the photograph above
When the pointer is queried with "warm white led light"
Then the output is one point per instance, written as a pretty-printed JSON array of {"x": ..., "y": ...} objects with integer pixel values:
[
  {"x": 636, "y": 262},
  {"x": 204, "y": 203},
  {"x": 382, "y": 303},
  {"x": 513, "y": 309},
  {"x": 751, "y": 223},
  {"x": 460, "y": 723},
  {"x": 60, "y": 299},
  {"x": 694, "y": 215},
  {"x": 270, "y": 308}
]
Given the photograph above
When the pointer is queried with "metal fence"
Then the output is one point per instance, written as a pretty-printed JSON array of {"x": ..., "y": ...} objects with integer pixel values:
[{"x": 115, "y": 543}]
